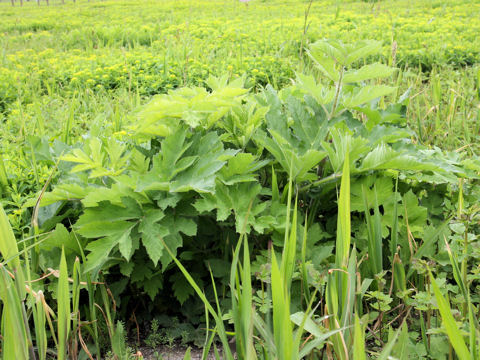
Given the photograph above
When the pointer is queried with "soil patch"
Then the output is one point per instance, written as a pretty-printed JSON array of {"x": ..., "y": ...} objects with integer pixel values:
[{"x": 173, "y": 353}]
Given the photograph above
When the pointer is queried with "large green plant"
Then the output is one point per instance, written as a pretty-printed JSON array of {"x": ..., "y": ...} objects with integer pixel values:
[{"x": 191, "y": 171}]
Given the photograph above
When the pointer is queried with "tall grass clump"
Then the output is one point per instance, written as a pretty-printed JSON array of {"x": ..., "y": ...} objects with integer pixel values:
[{"x": 31, "y": 321}]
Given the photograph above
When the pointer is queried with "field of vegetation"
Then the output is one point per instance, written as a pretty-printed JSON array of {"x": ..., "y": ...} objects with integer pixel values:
[{"x": 267, "y": 179}]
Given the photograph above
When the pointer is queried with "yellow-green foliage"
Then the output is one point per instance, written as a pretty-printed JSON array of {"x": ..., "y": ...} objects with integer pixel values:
[
  {"x": 158, "y": 45},
  {"x": 56, "y": 59}
]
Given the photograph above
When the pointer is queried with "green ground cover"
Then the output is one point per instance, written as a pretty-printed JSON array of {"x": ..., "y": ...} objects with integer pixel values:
[{"x": 136, "y": 132}]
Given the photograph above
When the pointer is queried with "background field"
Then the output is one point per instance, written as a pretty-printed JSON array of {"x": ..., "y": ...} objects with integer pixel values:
[{"x": 56, "y": 56}]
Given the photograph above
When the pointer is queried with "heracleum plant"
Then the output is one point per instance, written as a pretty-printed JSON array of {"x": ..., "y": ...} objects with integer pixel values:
[
  {"x": 191, "y": 171},
  {"x": 278, "y": 339}
]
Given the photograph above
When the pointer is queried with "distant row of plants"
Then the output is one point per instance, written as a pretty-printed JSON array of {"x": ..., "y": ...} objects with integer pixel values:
[
  {"x": 352, "y": 235},
  {"x": 430, "y": 33},
  {"x": 140, "y": 71},
  {"x": 106, "y": 52}
]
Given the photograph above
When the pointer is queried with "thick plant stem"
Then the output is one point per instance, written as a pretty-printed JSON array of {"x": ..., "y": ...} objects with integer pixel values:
[
  {"x": 304, "y": 34},
  {"x": 3, "y": 173},
  {"x": 464, "y": 267},
  {"x": 332, "y": 177},
  {"x": 337, "y": 94},
  {"x": 465, "y": 241}
]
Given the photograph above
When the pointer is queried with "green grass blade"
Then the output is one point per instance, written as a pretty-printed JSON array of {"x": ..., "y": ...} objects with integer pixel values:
[
  {"x": 187, "y": 354},
  {"x": 217, "y": 303},
  {"x": 370, "y": 231},
  {"x": 423, "y": 332},
  {"x": 289, "y": 250},
  {"x": 318, "y": 342},
  {"x": 119, "y": 347},
  {"x": 13, "y": 326},
  {"x": 468, "y": 302},
  {"x": 303, "y": 266},
  {"x": 359, "y": 341},
  {"x": 427, "y": 241},
  {"x": 374, "y": 232},
  {"x": 377, "y": 245},
  {"x": 3, "y": 174},
  {"x": 453, "y": 332},
  {"x": 275, "y": 192},
  {"x": 75, "y": 301},
  {"x": 39, "y": 319},
  {"x": 343, "y": 223},
  {"x": 208, "y": 344},
  {"x": 301, "y": 327},
  {"x": 282, "y": 326},
  {"x": 340, "y": 291},
  {"x": 473, "y": 331},
  {"x": 236, "y": 297},
  {"x": 8, "y": 243},
  {"x": 208, "y": 339},
  {"x": 242, "y": 301},
  {"x": 92, "y": 310},
  {"x": 457, "y": 275},
  {"x": 400, "y": 350},
  {"x": 388, "y": 348},
  {"x": 216, "y": 353},
  {"x": 218, "y": 320},
  {"x": 394, "y": 236},
  {"x": 63, "y": 319},
  {"x": 247, "y": 304},
  {"x": 399, "y": 274},
  {"x": 348, "y": 292},
  {"x": 266, "y": 334}
]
